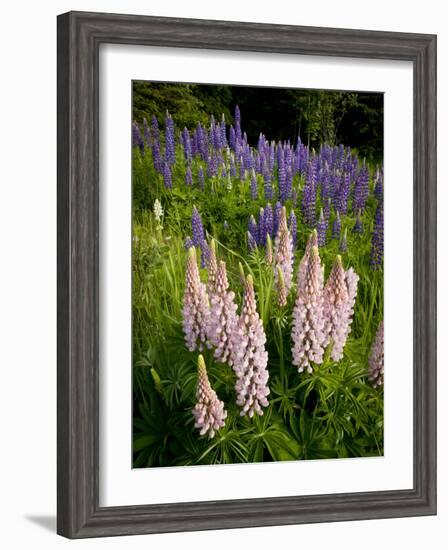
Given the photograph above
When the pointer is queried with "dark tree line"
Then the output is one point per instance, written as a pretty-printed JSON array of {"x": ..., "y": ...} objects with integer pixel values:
[{"x": 316, "y": 116}]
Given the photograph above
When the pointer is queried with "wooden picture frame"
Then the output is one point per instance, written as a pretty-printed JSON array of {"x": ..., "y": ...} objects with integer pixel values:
[{"x": 79, "y": 38}]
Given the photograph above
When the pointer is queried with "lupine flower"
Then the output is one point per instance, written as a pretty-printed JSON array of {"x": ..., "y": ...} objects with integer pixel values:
[
  {"x": 284, "y": 256},
  {"x": 343, "y": 242},
  {"x": 361, "y": 189},
  {"x": 303, "y": 265},
  {"x": 252, "y": 227},
  {"x": 336, "y": 232},
  {"x": 377, "y": 250},
  {"x": 339, "y": 299},
  {"x": 322, "y": 229},
  {"x": 376, "y": 358},
  {"x": 158, "y": 210},
  {"x": 269, "y": 220},
  {"x": 251, "y": 242},
  {"x": 167, "y": 181},
  {"x": 308, "y": 317},
  {"x": 209, "y": 411},
  {"x": 292, "y": 222},
  {"x": 253, "y": 186},
  {"x": 277, "y": 216},
  {"x": 188, "y": 243},
  {"x": 223, "y": 316},
  {"x": 197, "y": 228},
  {"x": 282, "y": 293},
  {"x": 195, "y": 306},
  {"x": 155, "y": 128},
  {"x": 188, "y": 176},
  {"x": 137, "y": 140},
  {"x": 249, "y": 356},
  {"x": 169, "y": 139}
]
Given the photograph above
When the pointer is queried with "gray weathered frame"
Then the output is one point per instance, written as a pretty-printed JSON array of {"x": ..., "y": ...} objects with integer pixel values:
[{"x": 79, "y": 37}]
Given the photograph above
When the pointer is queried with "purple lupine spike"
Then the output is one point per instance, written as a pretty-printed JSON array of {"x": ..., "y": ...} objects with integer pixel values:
[
  {"x": 155, "y": 128},
  {"x": 156, "y": 156},
  {"x": 251, "y": 242},
  {"x": 209, "y": 412},
  {"x": 284, "y": 255},
  {"x": 147, "y": 132},
  {"x": 137, "y": 140},
  {"x": 188, "y": 243},
  {"x": 167, "y": 181},
  {"x": 252, "y": 227},
  {"x": 186, "y": 144},
  {"x": 232, "y": 137},
  {"x": 268, "y": 191},
  {"x": 249, "y": 356},
  {"x": 322, "y": 230},
  {"x": 169, "y": 139},
  {"x": 195, "y": 306},
  {"x": 377, "y": 245},
  {"x": 376, "y": 358},
  {"x": 308, "y": 317},
  {"x": 281, "y": 176},
  {"x": 188, "y": 176},
  {"x": 343, "y": 242},
  {"x": 269, "y": 220},
  {"x": 361, "y": 189},
  {"x": 205, "y": 254},
  {"x": 197, "y": 228},
  {"x": 343, "y": 194},
  {"x": 261, "y": 240},
  {"x": 223, "y": 317},
  {"x": 277, "y": 216},
  {"x": 358, "y": 227},
  {"x": 253, "y": 186},
  {"x": 309, "y": 195},
  {"x": 336, "y": 231},
  {"x": 378, "y": 191},
  {"x": 223, "y": 131},
  {"x": 292, "y": 222},
  {"x": 201, "y": 178},
  {"x": 339, "y": 300}
]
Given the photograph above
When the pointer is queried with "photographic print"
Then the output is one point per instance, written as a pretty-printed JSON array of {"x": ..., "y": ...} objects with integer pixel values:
[{"x": 257, "y": 268}]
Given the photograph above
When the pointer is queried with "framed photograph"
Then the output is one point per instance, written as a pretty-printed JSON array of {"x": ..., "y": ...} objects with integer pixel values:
[{"x": 246, "y": 274}]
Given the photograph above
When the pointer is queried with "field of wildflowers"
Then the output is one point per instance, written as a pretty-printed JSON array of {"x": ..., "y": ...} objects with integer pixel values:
[{"x": 257, "y": 297}]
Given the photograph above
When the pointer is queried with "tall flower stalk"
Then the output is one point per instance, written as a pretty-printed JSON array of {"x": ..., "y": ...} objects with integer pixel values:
[
  {"x": 284, "y": 256},
  {"x": 223, "y": 316},
  {"x": 195, "y": 306},
  {"x": 339, "y": 299},
  {"x": 308, "y": 334},
  {"x": 209, "y": 412},
  {"x": 249, "y": 356}
]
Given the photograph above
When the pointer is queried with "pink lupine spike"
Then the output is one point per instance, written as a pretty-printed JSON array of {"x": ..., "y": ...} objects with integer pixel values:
[
  {"x": 284, "y": 256},
  {"x": 209, "y": 411},
  {"x": 376, "y": 358},
  {"x": 269, "y": 254},
  {"x": 223, "y": 316},
  {"x": 301, "y": 274},
  {"x": 308, "y": 317},
  {"x": 195, "y": 306},
  {"x": 250, "y": 357},
  {"x": 282, "y": 293}
]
